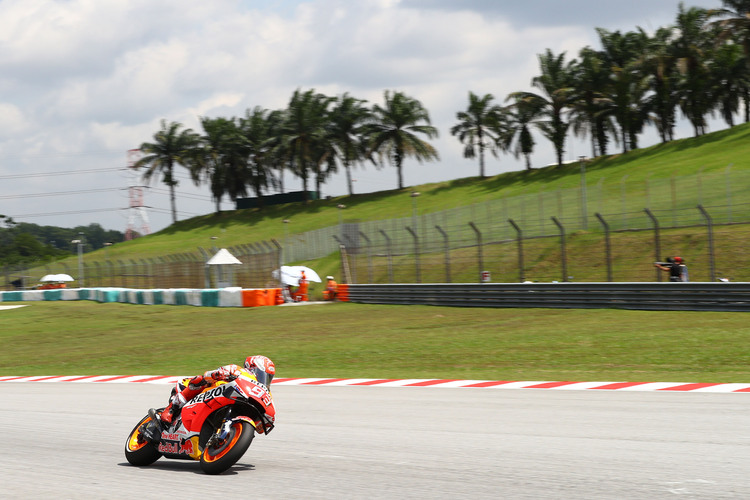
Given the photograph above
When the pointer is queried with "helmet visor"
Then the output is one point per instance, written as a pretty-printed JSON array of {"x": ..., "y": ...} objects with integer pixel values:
[{"x": 262, "y": 376}]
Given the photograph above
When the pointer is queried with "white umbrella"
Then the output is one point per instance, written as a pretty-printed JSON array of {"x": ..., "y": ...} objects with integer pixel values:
[
  {"x": 49, "y": 277},
  {"x": 290, "y": 275},
  {"x": 64, "y": 277},
  {"x": 309, "y": 273}
]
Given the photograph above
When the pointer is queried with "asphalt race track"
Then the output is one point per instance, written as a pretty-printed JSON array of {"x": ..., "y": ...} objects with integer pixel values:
[{"x": 66, "y": 441}]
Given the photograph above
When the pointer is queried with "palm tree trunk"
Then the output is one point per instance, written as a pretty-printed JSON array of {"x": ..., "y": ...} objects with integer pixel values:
[
  {"x": 173, "y": 202},
  {"x": 349, "y": 178},
  {"x": 398, "y": 168},
  {"x": 481, "y": 159}
]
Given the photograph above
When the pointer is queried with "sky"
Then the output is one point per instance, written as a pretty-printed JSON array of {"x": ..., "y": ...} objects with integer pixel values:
[{"x": 83, "y": 82}]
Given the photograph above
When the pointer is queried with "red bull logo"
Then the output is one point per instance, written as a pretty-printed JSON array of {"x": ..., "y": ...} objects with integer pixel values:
[
  {"x": 187, "y": 447},
  {"x": 190, "y": 448}
]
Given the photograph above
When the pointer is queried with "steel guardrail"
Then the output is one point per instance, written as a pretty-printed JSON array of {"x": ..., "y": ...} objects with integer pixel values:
[{"x": 698, "y": 296}]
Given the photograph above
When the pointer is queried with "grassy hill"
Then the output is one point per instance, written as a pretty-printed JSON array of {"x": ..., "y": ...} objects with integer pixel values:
[{"x": 712, "y": 170}]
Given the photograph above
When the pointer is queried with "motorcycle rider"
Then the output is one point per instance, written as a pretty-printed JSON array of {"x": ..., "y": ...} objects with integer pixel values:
[{"x": 187, "y": 388}]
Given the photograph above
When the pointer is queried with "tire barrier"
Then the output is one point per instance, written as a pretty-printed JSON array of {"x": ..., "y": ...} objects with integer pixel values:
[{"x": 221, "y": 297}]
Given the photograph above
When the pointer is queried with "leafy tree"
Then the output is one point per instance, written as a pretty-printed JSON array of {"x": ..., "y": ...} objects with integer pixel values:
[
  {"x": 171, "y": 147},
  {"x": 734, "y": 29},
  {"x": 730, "y": 80},
  {"x": 589, "y": 104},
  {"x": 259, "y": 128},
  {"x": 659, "y": 62},
  {"x": 627, "y": 86},
  {"x": 518, "y": 118},
  {"x": 222, "y": 159},
  {"x": 479, "y": 128},
  {"x": 305, "y": 135},
  {"x": 392, "y": 131},
  {"x": 555, "y": 82},
  {"x": 347, "y": 128},
  {"x": 693, "y": 48}
]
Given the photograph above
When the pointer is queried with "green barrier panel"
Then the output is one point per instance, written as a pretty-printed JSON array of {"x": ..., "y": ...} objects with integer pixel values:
[
  {"x": 180, "y": 298},
  {"x": 158, "y": 297},
  {"x": 139, "y": 297},
  {"x": 52, "y": 294},
  {"x": 84, "y": 294},
  {"x": 110, "y": 295},
  {"x": 210, "y": 298},
  {"x": 12, "y": 296}
]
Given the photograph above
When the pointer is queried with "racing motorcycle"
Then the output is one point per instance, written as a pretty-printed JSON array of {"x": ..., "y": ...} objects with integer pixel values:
[{"x": 216, "y": 427}]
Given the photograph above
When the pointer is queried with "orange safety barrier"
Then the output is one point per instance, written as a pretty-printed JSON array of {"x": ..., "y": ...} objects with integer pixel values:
[
  {"x": 250, "y": 298},
  {"x": 343, "y": 293},
  {"x": 261, "y": 297}
]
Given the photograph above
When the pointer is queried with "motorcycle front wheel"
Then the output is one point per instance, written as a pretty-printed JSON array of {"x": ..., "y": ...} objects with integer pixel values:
[
  {"x": 138, "y": 450},
  {"x": 218, "y": 457}
]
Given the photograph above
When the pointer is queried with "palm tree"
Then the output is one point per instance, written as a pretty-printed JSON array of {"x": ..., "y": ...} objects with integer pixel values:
[
  {"x": 659, "y": 62},
  {"x": 624, "y": 91},
  {"x": 171, "y": 147},
  {"x": 555, "y": 82},
  {"x": 735, "y": 28},
  {"x": 346, "y": 130},
  {"x": 478, "y": 127},
  {"x": 518, "y": 118},
  {"x": 393, "y": 129},
  {"x": 587, "y": 116},
  {"x": 222, "y": 159},
  {"x": 258, "y": 129},
  {"x": 730, "y": 80},
  {"x": 693, "y": 50},
  {"x": 304, "y": 134}
]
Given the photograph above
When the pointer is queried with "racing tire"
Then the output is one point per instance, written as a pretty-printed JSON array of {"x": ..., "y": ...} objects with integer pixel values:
[
  {"x": 138, "y": 450},
  {"x": 218, "y": 458}
]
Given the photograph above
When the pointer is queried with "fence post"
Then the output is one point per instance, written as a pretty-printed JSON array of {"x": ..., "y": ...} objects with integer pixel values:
[
  {"x": 390, "y": 258},
  {"x": 562, "y": 248},
  {"x": 351, "y": 256},
  {"x": 416, "y": 253},
  {"x": 607, "y": 247},
  {"x": 344, "y": 260},
  {"x": 369, "y": 256},
  {"x": 206, "y": 271},
  {"x": 710, "y": 228},
  {"x": 479, "y": 250},
  {"x": 623, "y": 202},
  {"x": 519, "y": 239},
  {"x": 657, "y": 242},
  {"x": 729, "y": 191},
  {"x": 447, "y": 254}
]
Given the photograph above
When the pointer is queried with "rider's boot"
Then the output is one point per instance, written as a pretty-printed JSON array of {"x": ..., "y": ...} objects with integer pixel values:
[{"x": 167, "y": 416}]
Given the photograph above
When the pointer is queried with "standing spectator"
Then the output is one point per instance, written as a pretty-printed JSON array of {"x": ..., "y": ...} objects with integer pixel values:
[
  {"x": 683, "y": 269},
  {"x": 672, "y": 267},
  {"x": 300, "y": 295},
  {"x": 331, "y": 290}
]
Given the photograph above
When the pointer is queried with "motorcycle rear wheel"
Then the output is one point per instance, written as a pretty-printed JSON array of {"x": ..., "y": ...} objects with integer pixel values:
[
  {"x": 220, "y": 457},
  {"x": 138, "y": 450}
]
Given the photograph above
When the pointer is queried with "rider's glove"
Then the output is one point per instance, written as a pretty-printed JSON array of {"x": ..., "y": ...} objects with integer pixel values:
[
  {"x": 198, "y": 382},
  {"x": 227, "y": 373}
]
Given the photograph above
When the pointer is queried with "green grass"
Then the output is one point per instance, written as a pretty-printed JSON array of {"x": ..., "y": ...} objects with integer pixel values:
[
  {"x": 372, "y": 341},
  {"x": 354, "y": 340}
]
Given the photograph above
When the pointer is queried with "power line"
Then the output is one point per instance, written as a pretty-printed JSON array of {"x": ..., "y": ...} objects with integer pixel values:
[
  {"x": 62, "y": 172},
  {"x": 58, "y": 193},
  {"x": 72, "y": 212}
]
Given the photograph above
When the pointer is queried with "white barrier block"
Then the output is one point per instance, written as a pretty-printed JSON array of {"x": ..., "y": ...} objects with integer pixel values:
[{"x": 230, "y": 297}]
